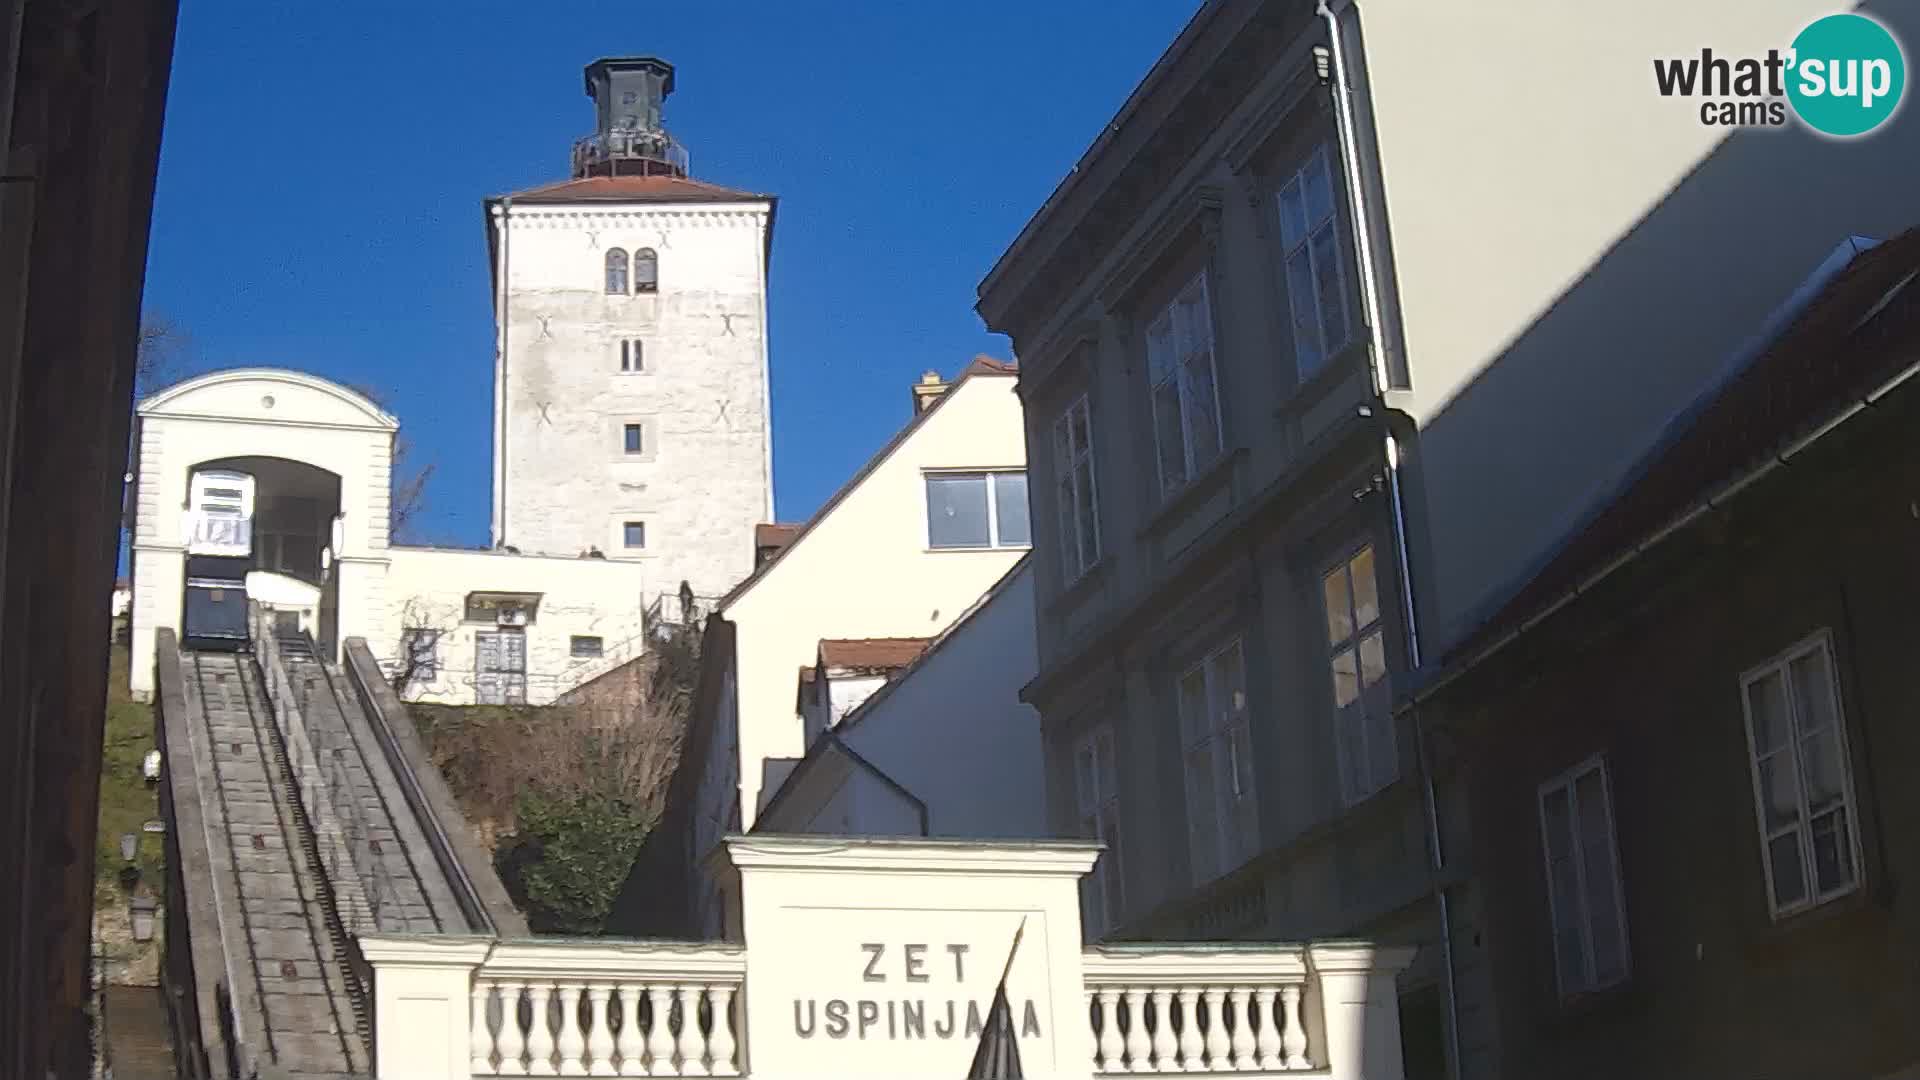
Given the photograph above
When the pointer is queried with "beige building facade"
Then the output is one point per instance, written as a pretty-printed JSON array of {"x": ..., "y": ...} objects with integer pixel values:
[{"x": 1330, "y": 334}]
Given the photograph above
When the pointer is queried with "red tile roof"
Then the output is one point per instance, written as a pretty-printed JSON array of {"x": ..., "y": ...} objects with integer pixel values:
[
  {"x": 870, "y": 654},
  {"x": 633, "y": 189},
  {"x": 1856, "y": 333}
]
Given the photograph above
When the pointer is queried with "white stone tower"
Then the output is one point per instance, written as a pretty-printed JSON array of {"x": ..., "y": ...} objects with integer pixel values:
[{"x": 630, "y": 382}]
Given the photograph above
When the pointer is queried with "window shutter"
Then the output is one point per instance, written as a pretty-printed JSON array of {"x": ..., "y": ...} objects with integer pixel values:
[
  {"x": 1563, "y": 887},
  {"x": 1592, "y": 799}
]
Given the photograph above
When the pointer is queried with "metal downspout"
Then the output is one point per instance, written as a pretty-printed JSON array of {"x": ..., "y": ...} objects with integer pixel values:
[{"x": 1370, "y": 296}]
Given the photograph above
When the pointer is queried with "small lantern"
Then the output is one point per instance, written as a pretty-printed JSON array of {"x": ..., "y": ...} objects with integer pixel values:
[
  {"x": 142, "y": 909},
  {"x": 150, "y": 768},
  {"x": 129, "y": 846}
]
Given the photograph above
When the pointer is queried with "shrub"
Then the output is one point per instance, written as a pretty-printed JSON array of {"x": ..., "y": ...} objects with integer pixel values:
[{"x": 571, "y": 856}]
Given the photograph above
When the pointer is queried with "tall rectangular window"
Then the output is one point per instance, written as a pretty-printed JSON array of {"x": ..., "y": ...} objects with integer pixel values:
[
  {"x": 1316, "y": 277},
  {"x": 632, "y": 355},
  {"x": 1186, "y": 406},
  {"x": 1096, "y": 789},
  {"x": 1357, "y": 655},
  {"x": 1802, "y": 779},
  {"x": 1583, "y": 880},
  {"x": 1077, "y": 501},
  {"x": 630, "y": 436},
  {"x": 1222, "y": 819},
  {"x": 977, "y": 510}
]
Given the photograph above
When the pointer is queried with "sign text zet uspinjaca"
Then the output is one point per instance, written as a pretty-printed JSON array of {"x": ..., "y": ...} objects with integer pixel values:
[{"x": 908, "y": 1012}]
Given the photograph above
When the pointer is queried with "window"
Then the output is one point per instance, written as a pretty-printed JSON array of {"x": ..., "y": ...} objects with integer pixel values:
[
  {"x": 1316, "y": 281},
  {"x": 1802, "y": 782},
  {"x": 1186, "y": 407},
  {"x": 585, "y": 645},
  {"x": 1078, "y": 504},
  {"x": 1096, "y": 788},
  {"x": 1583, "y": 880},
  {"x": 646, "y": 271},
  {"x": 1222, "y": 823},
  {"x": 420, "y": 652},
  {"x": 633, "y": 534},
  {"x": 632, "y": 355},
  {"x": 631, "y": 441},
  {"x": 977, "y": 510},
  {"x": 1357, "y": 652},
  {"x": 616, "y": 272}
]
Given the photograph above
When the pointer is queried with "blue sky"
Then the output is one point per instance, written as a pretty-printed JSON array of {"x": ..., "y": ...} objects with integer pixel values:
[{"x": 323, "y": 166}]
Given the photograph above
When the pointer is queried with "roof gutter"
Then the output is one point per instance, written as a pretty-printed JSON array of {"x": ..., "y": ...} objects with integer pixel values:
[
  {"x": 1720, "y": 497},
  {"x": 1376, "y": 356}
]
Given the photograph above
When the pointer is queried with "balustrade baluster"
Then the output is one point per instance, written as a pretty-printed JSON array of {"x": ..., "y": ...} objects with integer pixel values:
[
  {"x": 633, "y": 1045},
  {"x": 1293, "y": 1041},
  {"x": 513, "y": 1041},
  {"x": 1139, "y": 1050},
  {"x": 1216, "y": 1032},
  {"x": 1266, "y": 1045},
  {"x": 1111, "y": 1047},
  {"x": 479, "y": 1034},
  {"x": 540, "y": 1035},
  {"x": 692, "y": 1043},
  {"x": 659, "y": 1036},
  {"x": 1163, "y": 1039},
  {"x": 573, "y": 1042},
  {"x": 599, "y": 1034},
  {"x": 721, "y": 1043},
  {"x": 1242, "y": 1035},
  {"x": 1190, "y": 1044}
]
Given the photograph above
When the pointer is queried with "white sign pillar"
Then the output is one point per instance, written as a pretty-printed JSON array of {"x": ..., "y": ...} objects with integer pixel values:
[
  {"x": 422, "y": 1007},
  {"x": 880, "y": 957},
  {"x": 1359, "y": 1008}
]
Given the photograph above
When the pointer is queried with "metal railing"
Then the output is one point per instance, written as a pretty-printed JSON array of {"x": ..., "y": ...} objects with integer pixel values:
[{"x": 617, "y": 145}]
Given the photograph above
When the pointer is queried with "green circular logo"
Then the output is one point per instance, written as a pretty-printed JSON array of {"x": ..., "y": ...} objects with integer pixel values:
[{"x": 1848, "y": 75}]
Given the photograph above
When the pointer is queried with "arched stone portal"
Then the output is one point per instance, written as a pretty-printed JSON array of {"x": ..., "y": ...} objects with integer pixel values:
[{"x": 321, "y": 457}]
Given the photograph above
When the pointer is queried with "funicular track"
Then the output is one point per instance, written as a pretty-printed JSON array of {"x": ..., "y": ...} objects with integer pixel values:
[{"x": 313, "y": 1004}]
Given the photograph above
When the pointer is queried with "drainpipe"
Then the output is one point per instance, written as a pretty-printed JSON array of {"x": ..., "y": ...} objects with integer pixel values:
[
  {"x": 503, "y": 212},
  {"x": 1370, "y": 297}
]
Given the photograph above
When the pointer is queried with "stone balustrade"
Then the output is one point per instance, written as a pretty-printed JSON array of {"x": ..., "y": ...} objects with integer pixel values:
[{"x": 873, "y": 957}]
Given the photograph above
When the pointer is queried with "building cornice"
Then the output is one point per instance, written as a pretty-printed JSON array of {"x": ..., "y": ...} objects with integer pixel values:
[
  {"x": 742, "y": 215},
  {"x": 831, "y": 854}
]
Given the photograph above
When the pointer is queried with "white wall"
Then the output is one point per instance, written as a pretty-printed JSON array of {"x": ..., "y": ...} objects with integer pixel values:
[
  {"x": 703, "y": 482},
  {"x": 255, "y": 412},
  {"x": 428, "y": 587},
  {"x": 864, "y": 570},
  {"x": 952, "y": 731},
  {"x": 1576, "y": 254}
]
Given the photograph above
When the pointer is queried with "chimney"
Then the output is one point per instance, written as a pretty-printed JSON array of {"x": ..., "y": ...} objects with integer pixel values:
[
  {"x": 629, "y": 95},
  {"x": 927, "y": 391}
]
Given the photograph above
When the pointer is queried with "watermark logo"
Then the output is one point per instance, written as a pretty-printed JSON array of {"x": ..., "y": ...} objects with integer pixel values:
[{"x": 1844, "y": 75}]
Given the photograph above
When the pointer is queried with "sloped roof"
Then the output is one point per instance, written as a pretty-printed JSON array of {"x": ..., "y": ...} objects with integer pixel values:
[
  {"x": 774, "y": 534},
  {"x": 871, "y": 654},
  {"x": 980, "y": 365},
  {"x": 1850, "y": 339},
  {"x": 625, "y": 189}
]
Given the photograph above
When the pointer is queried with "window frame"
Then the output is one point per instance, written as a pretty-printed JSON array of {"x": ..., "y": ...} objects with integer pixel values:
[
  {"x": 1074, "y": 563},
  {"x": 1370, "y": 783},
  {"x": 1106, "y": 884},
  {"x": 411, "y": 640},
  {"x": 626, "y": 526},
  {"x": 614, "y": 262},
  {"x": 994, "y": 542},
  {"x": 1232, "y": 849},
  {"x": 651, "y": 284},
  {"x": 1306, "y": 367},
  {"x": 633, "y": 438},
  {"x": 1568, "y": 781},
  {"x": 1177, "y": 373},
  {"x": 1781, "y": 663},
  {"x": 574, "y": 650},
  {"x": 633, "y": 356}
]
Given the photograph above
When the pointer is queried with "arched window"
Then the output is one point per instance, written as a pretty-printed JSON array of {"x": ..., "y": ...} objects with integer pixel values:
[
  {"x": 616, "y": 272},
  {"x": 646, "y": 271}
]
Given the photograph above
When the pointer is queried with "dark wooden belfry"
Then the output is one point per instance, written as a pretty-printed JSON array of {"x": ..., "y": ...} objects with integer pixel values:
[{"x": 629, "y": 94}]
